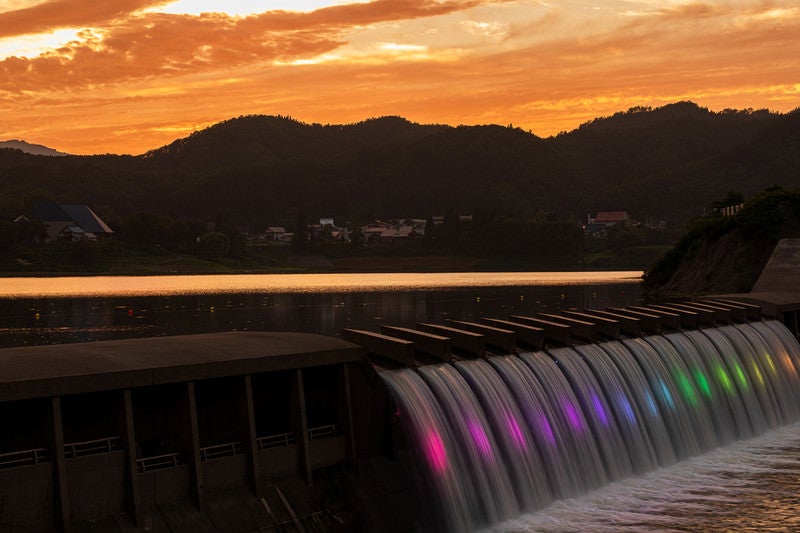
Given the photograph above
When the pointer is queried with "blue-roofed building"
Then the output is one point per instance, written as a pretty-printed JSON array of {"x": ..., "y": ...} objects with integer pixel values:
[{"x": 71, "y": 222}]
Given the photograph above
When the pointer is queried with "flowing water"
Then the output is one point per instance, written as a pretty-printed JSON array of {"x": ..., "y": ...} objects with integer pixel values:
[{"x": 645, "y": 434}]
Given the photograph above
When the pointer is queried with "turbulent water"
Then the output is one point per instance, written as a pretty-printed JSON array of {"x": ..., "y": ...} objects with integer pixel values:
[
  {"x": 748, "y": 486},
  {"x": 622, "y": 422}
]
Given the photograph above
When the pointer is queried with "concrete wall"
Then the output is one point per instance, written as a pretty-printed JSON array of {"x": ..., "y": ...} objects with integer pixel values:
[
  {"x": 213, "y": 426},
  {"x": 327, "y": 452},
  {"x": 279, "y": 462},
  {"x": 165, "y": 486},
  {"x": 225, "y": 473},
  {"x": 97, "y": 485},
  {"x": 26, "y": 499}
]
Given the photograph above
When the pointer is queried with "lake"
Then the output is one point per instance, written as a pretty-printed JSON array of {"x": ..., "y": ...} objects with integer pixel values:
[{"x": 78, "y": 309}]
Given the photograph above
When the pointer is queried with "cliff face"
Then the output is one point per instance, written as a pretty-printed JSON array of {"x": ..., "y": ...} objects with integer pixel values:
[
  {"x": 726, "y": 254},
  {"x": 728, "y": 264}
]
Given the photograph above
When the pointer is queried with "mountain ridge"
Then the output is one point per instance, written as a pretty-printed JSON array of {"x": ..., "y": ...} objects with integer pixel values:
[
  {"x": 667, "y": 163},
  {"x": 29, "y": 148}
]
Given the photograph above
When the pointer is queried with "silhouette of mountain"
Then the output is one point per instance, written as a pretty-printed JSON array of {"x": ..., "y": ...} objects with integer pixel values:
[
  {"x": 665, "y": 162},
  {"x": 668, "y": 163},
  {"x": 29, "y": 148}
]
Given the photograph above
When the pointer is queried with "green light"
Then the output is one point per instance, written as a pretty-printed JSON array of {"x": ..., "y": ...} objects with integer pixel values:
[
  {"x": 702, "y": 382},
  {"x": 742, "y": 377},
  {"x": 724, "y": 380},
  {"x": 686, "y": 388}
]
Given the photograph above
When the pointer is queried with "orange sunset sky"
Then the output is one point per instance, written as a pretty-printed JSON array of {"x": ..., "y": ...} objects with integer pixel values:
[{"x": 127, "y": 76}]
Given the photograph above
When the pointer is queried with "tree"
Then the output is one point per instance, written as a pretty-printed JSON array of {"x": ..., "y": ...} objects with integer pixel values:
[
  {"x": 357, "y": 237},
  {"x": 621, "y": 236},
  {"x": 85, "y": 254},
  {"x": 733, "y": 198},
  {"x": 236, "y": 241},
  {"x": 450, "y": 230},
  {"x": 213, "y": 244},
  {"x": 300, "y": 237},
  {"x": 430, "y": 230}
]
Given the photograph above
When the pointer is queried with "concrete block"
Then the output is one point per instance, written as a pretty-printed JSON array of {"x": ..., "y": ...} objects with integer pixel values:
[
  {"x": 384, "y": 346},
  {"x": 431, "y": 344},
  {"x": 460, "y": 339}
]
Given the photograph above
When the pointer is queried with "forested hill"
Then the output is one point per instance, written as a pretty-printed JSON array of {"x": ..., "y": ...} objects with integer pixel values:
[{"x": 667, "y": 163}]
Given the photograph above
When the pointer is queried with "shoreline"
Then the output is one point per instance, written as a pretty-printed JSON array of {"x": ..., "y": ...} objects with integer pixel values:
[{"x": 320, "y": 264}]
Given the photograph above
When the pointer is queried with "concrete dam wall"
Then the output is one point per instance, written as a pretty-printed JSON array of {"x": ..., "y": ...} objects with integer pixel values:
[{"x": 425, "y": 427}]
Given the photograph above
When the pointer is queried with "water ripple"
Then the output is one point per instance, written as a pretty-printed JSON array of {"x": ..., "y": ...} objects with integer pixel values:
[{"x": 747, "y": 486}]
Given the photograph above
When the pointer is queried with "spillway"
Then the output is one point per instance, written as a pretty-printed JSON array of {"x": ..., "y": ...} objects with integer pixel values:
[{"x": 497, "y": 436}]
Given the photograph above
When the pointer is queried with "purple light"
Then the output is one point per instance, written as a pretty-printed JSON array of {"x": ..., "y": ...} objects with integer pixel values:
[
  {"x": 572, "y": 416},
  {"x": 598, "y": 408},
  {"x": 543, "y": 425},
  {"x": 546, "y": 428},
  {"x": 435, "y": 452},
  {"x": 480, "y": 438},
  {"x": 516, "y": 432}
]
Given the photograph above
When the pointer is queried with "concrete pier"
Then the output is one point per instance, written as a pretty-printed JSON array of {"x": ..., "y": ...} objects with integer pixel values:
[{"x": 176, "y": 434}]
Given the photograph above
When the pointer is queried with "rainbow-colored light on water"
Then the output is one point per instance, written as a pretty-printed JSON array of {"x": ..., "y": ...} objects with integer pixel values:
[
  {"x": 598, "y": 408},
  {"x": 435, "y": 450},
  {"x": 686, "y": 388},
  {"x": 666, "y": 394},
  {"x": 479, "y": 438},
  {"x": 702, "y": 382},
  {"x": 573, "y": 416},
  {"x": 516, "y": 431}
]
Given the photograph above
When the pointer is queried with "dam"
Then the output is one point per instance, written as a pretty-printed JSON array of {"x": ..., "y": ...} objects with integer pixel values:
[{"x": 446, "y": 427}]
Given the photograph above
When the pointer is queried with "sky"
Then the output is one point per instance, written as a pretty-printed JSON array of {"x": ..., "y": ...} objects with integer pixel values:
[{"x": 128, "y": 76}]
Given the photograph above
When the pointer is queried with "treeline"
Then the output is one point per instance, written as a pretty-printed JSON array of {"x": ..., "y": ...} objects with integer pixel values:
[
  {"x": 665, "y": 164},
  {"x": 157, "y": 243}
]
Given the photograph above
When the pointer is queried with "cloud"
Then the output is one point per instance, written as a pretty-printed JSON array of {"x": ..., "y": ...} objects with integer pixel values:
[
  {"x": 547, "y": 69},
  {"x": 54, "y": 14},
  {"x": 157, "y": 44}
]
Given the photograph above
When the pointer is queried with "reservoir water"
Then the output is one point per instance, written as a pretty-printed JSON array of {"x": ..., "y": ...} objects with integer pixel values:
[
  {"x": 80, "y": 309},
  {"x": 752, "y": 484}
]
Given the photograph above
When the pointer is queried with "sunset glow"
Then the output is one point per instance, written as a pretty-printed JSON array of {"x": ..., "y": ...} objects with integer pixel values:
[{"x": 127, "y": 76}]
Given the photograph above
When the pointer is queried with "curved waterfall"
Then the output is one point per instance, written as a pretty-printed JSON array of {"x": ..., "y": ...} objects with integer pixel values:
[{"x": 510, "y": 434}]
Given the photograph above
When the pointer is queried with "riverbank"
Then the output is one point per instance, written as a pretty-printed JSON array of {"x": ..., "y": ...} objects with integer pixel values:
[
  {"x": 118, "y": 260},
  {"x": 724, "y": 254}
]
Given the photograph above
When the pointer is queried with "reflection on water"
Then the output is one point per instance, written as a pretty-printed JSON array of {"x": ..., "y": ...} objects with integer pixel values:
[
  {"x": 746, "y": 486},
  {"x": 167, "y": 305},
  {"x": 291, "y": 283}
]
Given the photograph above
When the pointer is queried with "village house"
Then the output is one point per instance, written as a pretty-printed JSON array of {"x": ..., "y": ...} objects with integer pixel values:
[
  {"x": 610, "y": 218},
  {"x": 273, "y": 233},
  {"x": 74, "y": 222},
  {"x": 598, "y": 225}
]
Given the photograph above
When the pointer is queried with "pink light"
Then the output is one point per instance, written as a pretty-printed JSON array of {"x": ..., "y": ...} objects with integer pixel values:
[
  {"x": 516, "y": 432},
  {"x": 479, "y": 437},
  {"x": 435, "y": 452}
]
